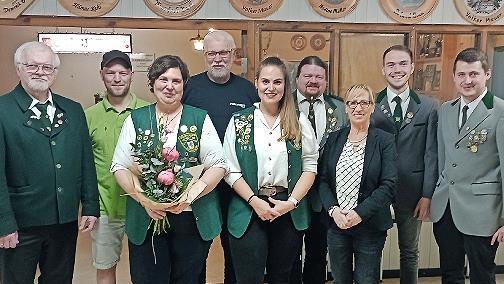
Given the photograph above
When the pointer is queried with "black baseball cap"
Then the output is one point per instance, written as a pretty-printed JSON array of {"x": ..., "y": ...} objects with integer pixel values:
[{"x": 115, "y": 54}]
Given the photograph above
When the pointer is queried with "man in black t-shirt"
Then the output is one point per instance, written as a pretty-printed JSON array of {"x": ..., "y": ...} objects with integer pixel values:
[{"x": 220, "y": 93}]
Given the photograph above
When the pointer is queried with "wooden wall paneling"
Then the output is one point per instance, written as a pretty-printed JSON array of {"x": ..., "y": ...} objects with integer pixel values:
[
  {"x": 361, "y": 64},
  {"x": 252, "y": 46},
  {"x": 334, "y": 52}
]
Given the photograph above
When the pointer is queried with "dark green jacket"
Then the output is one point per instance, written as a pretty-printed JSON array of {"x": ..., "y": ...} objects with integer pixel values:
[
  {"x": 336, "y": 118},
  {"x": 44, "y": 176},
  {"x": 206, "y": 209},
  {"x": 240, "y": 213}
]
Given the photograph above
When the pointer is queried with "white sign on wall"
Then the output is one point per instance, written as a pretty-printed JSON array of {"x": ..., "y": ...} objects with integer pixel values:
[{"x": 86, "y": 43}]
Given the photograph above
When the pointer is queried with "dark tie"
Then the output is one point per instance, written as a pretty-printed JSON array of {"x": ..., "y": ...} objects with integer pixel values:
[
  {"x": 398, "y": 112},
  {"x": 311, "y": 114},
  {"x": 464, "y": 116},
  {"x": 44, "y": 116}
]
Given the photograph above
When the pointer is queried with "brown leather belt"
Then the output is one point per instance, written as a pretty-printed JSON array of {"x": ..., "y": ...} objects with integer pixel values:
[{"x": 271, "y": 190}]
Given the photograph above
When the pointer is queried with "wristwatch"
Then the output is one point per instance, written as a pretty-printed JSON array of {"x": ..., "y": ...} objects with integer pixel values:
[
  {"x": 331, "y": 210},
  {"x": 294, "y": 201}
]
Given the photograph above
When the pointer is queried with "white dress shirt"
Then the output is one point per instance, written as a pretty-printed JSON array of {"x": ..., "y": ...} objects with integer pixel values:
[
  {"x": 271, "y": 154},
  {"x": 471, "y": 106},
  {"x": 51, "y": 109},
  {"x": 210, "y": 155},
  {"x": 320, "y": 112},
  {"x": 405, "y": 98}
]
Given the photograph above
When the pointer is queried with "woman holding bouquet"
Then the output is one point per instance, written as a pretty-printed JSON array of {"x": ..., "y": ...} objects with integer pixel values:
[
  {"x": 175, "y": 136},
  {"x": 272, "y": 153}
]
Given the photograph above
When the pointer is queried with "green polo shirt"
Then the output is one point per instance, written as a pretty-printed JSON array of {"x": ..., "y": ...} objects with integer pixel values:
[{"x": 105, "y": 123}]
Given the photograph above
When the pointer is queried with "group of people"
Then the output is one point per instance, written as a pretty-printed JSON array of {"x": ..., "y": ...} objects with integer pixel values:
[{"x": 282, "y": 166}]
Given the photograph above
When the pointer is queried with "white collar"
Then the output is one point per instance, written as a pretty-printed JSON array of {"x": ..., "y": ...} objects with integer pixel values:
[
  {"x": 391, "y": 95},
  {"x": 35, "y": 101},
  {"x": 300, "y": 97},
  {"x": 475, "y": 102}
]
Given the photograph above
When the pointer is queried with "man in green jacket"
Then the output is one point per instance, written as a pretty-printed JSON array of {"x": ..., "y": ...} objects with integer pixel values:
[
  {"x": 105, "y": 120},
  {"x": 46, "y": 174}
]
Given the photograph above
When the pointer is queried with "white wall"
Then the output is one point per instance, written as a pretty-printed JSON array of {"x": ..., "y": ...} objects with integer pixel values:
[{"x": 367, "y": 11}]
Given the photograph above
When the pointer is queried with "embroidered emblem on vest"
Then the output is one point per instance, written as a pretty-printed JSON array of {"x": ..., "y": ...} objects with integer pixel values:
[
  {"x": 189, "y": 140},
  {"x": 243, "y": 125}
]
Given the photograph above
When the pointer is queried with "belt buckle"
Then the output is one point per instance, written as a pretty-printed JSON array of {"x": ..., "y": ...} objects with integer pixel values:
[{"x": 271, "y": 190}]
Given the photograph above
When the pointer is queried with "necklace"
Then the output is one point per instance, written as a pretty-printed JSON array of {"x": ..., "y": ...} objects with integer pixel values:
[
  {"x": 357, "y": 141},
  {"x": 164, "y": 126}
]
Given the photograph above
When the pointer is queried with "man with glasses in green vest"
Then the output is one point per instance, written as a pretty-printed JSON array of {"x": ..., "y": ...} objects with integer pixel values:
[{"x": 105, "y": 120}]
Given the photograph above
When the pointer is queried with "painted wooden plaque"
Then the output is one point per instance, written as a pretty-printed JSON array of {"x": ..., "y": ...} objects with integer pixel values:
[
  {"x": 333, "y": 9},
  {"x": 256, "y": 8},
  {"x": 11, "y": 9},
  {"x": 89, "y": 8},
  {"x": 409, "y": 11},
  {"x": 175, "y": 9},
  {"x": 480, "y": 12}
]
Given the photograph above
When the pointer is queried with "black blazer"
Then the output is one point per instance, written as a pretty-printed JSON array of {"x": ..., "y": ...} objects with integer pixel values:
[{"x": 379, "y": 177}]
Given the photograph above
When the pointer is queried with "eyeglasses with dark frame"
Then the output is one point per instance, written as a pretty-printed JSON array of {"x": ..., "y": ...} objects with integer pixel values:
[
  {"x": 223, "y": 53},
  {"x": 46, "y": 69},
  {"x": 363, "y": 104}
]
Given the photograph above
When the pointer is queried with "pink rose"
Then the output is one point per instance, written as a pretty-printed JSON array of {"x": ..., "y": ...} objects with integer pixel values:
[
  {"x": 166, "y": 177},
  {"x": 170, "y": 154}
]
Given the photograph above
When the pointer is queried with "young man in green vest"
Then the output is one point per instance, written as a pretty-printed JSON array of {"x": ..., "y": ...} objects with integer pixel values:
[
  {"x": 46, "y": 174},
  {"x": 105, "y": 120}
]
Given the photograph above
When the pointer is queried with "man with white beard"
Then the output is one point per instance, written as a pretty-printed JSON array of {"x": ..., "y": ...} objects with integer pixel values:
[
  {"x": 46, "y": 173},
  {"x": 220, "y": 93}
]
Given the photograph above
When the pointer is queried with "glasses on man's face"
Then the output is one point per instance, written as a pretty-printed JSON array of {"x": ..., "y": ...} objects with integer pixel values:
[
  {"x": 354, "y": 104},
  {"x": 222, "y": 53},
  {"x": 32, "y": 68}
]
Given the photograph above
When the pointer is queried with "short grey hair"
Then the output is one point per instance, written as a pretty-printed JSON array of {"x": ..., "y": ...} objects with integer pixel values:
[
  {"x": 32, "y": 45},
  {"x": 222, "y": 36}
]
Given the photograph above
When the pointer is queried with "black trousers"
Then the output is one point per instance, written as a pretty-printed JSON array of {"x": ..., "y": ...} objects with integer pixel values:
[
  {"x": 225, "y": 193},
  {"x": 454, "y": 245},
  {"x": 51, "y": 247},
  {"x": 315, "y": 262},
  {"x": 177, "y": 256},
  {"x": 273, "y": 246}
]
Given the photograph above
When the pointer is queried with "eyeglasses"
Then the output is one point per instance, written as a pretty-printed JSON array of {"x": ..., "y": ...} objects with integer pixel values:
[
  {"x": 354, "y": 104},
  {"x": 222, "y": 53},
  {"x": 46, "y": 69}
]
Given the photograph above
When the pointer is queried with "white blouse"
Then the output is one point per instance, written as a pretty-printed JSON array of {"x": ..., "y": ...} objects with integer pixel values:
[
  {"x": 210, "y": 155},
  {"x": 271, "y": 154},
  {"x": 349, "y": 175}
]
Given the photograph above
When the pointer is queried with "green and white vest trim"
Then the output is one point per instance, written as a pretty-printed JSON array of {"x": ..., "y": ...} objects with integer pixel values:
[
  {"x": 206, "y": 209},
  {"x": 240, "y": 213}
]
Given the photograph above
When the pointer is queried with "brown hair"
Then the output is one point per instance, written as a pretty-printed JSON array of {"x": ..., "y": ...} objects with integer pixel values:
[
  {"x": 289, "y": 121},
  {"x": 471, "y": 55},
  {"x": 398, "y": 47}
]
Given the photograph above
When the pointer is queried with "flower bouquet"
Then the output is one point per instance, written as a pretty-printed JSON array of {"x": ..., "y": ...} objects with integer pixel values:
[{"x": 160, "y": 182}]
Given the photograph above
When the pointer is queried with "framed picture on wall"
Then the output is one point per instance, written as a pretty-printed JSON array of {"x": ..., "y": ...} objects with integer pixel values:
[
  {"x": 436, "y": 81},
  {"x": 419, "y": 80}
]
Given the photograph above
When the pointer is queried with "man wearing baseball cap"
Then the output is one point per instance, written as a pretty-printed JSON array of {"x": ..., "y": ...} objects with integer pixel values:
[{"x": 105, "y": 120}]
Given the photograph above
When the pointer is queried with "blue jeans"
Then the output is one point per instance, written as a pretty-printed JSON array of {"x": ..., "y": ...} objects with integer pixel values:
[
  {"x": 365, "y": 245},
  {"x": 408, "y": 229}
]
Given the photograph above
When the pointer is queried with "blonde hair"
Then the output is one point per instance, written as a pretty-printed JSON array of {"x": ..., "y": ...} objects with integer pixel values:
[
  {"x": 289, "y": 121},
  {"x": 359, "y": 89}
]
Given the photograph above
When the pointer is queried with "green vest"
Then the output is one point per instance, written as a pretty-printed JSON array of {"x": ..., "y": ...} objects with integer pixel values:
[
  {"x": 240, "y": 213},
  {"x": 206, "y": 209}
]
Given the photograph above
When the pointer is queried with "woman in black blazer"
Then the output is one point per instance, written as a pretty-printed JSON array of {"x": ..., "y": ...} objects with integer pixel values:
[{"x": 358, "y": 175}]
